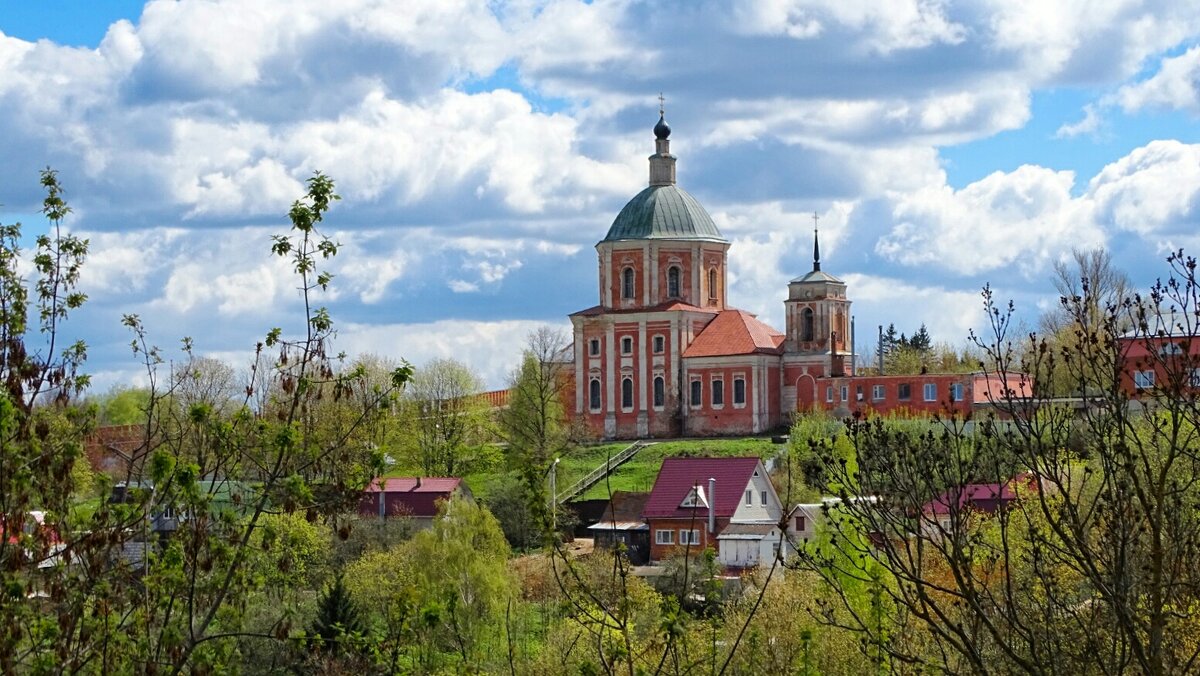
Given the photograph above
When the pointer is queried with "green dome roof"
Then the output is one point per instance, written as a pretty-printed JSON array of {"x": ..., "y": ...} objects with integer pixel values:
[{"x": 663, "y": 212}]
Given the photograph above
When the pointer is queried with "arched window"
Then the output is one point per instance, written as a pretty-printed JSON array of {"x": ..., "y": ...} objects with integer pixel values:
[
  {"x": 673, "y": 281},
  {"x": 660, "y": 391},
  {"x": 806, "y": 325},
  {"x": 627, "y": 283},
  {"x": 594, "y": 395},
  {"x": 712, "y": 283},
  {"x": 627, "y": 393}
]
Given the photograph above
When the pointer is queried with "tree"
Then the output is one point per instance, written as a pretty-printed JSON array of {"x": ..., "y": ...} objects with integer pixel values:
[
  {"x": 1088, "y": 569},
  {"x": 449, "y": 419},
  {"x": 337, "y": 624},
  {"x": 533, "y": 424}
]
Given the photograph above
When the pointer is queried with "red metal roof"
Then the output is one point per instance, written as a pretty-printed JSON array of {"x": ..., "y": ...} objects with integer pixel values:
[
  {"x": 982, "y": 497},
  {"x": 408, "y": 484},
  {"x": 735, "y": 332},
  {"x": 678, "y": 475}
]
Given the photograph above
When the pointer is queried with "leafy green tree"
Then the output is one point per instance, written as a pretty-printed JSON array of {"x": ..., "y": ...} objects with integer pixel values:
[
  {"x": 449, "y": 421},
  {"x": 122, "y": 405},
  {"x": 534, "y": 423}
]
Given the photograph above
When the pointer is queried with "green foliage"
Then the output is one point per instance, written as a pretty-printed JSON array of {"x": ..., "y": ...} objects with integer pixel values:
[
  {"x": 337, "y": 626},
  {"x": 449, "y": 424},
  {"x": 293, "y": 552}
]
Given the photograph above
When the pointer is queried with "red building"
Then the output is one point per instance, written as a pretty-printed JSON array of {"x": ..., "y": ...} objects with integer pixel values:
[
  {"x": 1167, "y": 361},
  {"x": 662, "y": 354},
  {"x": 415, "y": 498}
]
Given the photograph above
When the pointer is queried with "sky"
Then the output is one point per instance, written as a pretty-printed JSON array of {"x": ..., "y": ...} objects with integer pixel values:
[{"x": 483, "y": 148}]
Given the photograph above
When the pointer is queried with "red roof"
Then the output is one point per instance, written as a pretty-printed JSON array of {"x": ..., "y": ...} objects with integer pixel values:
[
  {"x": 981, "y": 497},
  {"x": 669, "y": 306},
  {"x": 678, "y": 475},
  {"x": 412, "y": 500},
  {"x": 735, "y": 332}
]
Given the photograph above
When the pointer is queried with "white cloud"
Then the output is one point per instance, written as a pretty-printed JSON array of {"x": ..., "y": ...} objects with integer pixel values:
[
  {"x": 1152, "y": 191},
  {"x": 1173, "y": 86},
  {"x": 1089, "y": 125}
]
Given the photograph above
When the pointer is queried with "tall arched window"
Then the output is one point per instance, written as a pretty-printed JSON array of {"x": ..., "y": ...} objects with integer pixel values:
[
  {"x": 627, "y": 393},
  {"x": 806, "y": 324},
  {"x": 594, "y": 395},
  {"x": 712, "y": 283},
  {"x": 627, "y": 283},
  {"x": 660, "y": 391},
  {"x": 673, "y": 281}
]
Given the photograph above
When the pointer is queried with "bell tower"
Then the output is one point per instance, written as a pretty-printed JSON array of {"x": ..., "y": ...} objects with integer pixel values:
[{"x": 818, "y": 316}]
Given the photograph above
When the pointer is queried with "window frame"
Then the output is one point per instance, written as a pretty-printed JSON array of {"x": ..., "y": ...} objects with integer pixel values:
[
  {"x": 1143, "y": 380},
  {"x": 717, "y": 392},
  {"x": 692, "y": 537},
  {"x": 845, "y": 392},
  {"x": 878, "y": 393},
  {"x": 627, "y": 388},
  {"x": 829, "y": 394},
  {"x": 762, "y": 497},
  {"x": 904, "y": 391},
  {"x": 660, "y": 392},
  {"x": 956, "y": 391},
  {"x": 595, "y": 395},
  {"x": 929, "y": 391},
  {"x": 628, "y": 283},
  {"x": 594, "y": 347},
  {"x": 801, "y": 523},
  {"x": 749, "y": 497},
  {"x": 807, "y": 325},
  {"x": 712, "y": 283},
  {"x": 739, "y": 401},
  {"x": 674, "y": 283},
  {"x": 659, "y": 344},
  {"x": 696, "y": 393},
  {"x": 668, "y": 540},
  {"x": 626, "y": 345}
]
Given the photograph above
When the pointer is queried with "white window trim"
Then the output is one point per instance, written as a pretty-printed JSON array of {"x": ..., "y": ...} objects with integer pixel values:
[
  {"x": 745, "y": 393},
  {"x": 594, "y": 347},
  {"x": 658, "y": 407},
  {"x": 632, "y": 283},
  {"x": 693, "y": 535},
  {"x": 712, "y": 382},
  {"x": 659, "y": 344},
  {"x": 632, "y": 394},
  {"x": 749, "y": 497},
  {"x": 878, "y": 393},
  {"x": 698, "y": 401},
  {"x": 599, "y": 400},
  {"x": 956, "y": 391},
  {"x": 668, "y": 540},
  {"x": 762, "y": 496},
  {"x": 925, "y": 391},
  {"x": 829, "y": 394},
  {"x": 1143, "y": 380},
  {"x": 1194, "y": 378},
  {"x": 626, "y": 341},
  {"x": 845, "y": 392}
]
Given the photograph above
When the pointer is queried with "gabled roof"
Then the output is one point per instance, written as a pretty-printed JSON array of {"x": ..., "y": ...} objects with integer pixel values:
[
  {"x": 982, "y": 497},
  {"x": 678, "y": 475},
  {"x": 403, "y": 497},
  {"x": 669, "y": 306},
  {"x": 735, "y": 332}
]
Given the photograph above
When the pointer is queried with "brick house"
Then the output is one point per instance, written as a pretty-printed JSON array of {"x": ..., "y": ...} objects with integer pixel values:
[
  {"x": 1166, "y": 361},
  {"x": 727, "y": 504},
  {"x": 921, "y": 394}
]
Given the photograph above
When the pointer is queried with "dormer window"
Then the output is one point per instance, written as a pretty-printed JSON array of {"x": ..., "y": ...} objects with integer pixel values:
[
  {"x": 673, "y": 281},
  {"x": 695, "y": 498}
]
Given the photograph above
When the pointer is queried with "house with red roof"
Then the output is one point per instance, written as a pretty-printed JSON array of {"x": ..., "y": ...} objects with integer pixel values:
[
  {"x": 413, "y": 498},
  {"x": 727, "y": 504},
  {"x": 960, "y": 502}
]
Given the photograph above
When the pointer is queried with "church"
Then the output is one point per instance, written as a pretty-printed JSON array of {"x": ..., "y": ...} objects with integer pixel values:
[{"x": 664, "y": 355}]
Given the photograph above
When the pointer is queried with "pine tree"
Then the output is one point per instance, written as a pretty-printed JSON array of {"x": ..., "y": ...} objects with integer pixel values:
[
  {"x": 337, "y": 616},
  {"x": 920, "y": 340}
]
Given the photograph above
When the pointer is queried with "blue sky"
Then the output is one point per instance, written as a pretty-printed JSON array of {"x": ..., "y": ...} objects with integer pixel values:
[{"x": 482, "y": 149}]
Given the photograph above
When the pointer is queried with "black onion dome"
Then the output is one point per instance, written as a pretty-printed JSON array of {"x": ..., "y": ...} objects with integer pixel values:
[{"x": 662, "y": 130}]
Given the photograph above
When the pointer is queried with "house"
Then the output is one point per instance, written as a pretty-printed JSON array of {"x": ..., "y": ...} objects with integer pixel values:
[
  {"x": 118, "y": 450},
  {"x": 663, "y": 354},
  {"x": 621, "y": 523},
  {"x": 922, "y": 394},
  {"x": 727, "y": 504},
  {"x": 414, "y": 498},
  {"x": 959, "y": 502},
  {"x": 1163, "y": 359}
]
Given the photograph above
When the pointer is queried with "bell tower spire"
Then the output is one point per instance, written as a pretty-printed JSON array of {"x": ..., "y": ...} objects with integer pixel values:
[{"x": 816, "y": 245}]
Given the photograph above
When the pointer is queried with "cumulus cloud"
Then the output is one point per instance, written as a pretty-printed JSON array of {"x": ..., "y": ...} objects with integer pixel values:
[
  {"x": 1174, "y": 86},
  {"x": 1089, "y": 125}
]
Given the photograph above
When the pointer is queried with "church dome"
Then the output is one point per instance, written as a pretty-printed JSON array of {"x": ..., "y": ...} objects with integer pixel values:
[{"x": 663, "y": 212}]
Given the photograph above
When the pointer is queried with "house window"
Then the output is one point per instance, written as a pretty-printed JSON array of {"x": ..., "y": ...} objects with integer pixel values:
[
  {"x": 829, "y": 394},
  {"x": 858, "y": 392},
  {"x": 739, "y": 391},
  {"x": 594, "y": 347},
  {"x": 718, "y": 392},
  {"x": 877, "y": 392},
  {"x": 845, "y": 393},
  {"x": 627, "y": 393},
  {"x": 594, "y": 394},
  {"x": 806, "y": 325},
  {"x": 956, "y": 392},
  {"x": 664, "y": 537},
  {"x": 762, "y": 498},
  {"x": 749, "y": 498},
  {"x": 712, "y": 284},
  {"x": 801, "y": 523},
  {"x": 627, "y": 345},
  {"x": 627, "y": 283},
  {"x": 660, "y": 344},
  {"x": 1170, "y": 349},
  {"x": 695, "y": 400},
  {"x": 689, "y": 537},
  {"x": 673, "y": 282},
  {"x": 930, "y": 391},
  {"x": 660, "y": 391},
  {"x": 904, "y": 390},
  {"x": 1143, "y": 380},
  {"x": 1194, "y": 380}
]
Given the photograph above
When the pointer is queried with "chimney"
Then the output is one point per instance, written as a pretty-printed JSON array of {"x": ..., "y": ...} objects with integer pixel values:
[
  {"x": 712, "y": 506},
  {"x": 418, "y": 484}
]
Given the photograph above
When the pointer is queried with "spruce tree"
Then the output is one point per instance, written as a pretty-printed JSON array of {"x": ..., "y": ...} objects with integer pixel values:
[{"x": 337, "y": 616}]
